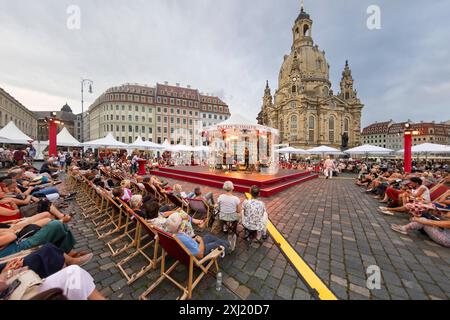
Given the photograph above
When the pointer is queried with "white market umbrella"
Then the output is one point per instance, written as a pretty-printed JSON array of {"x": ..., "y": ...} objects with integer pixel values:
[
  {"x": 14, "y": 135},
  {"x": 368, "y": 149},
  {"x": 291, "y": 150},
  {"x": 429, "y": 148},
  {"x": 166, "y": 146},
  {"x": 107, "y": 142},
  {"x": 324, "y": 150}
]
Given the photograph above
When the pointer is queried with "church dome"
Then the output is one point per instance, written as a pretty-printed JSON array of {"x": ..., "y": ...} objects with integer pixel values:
[
  {"x": 66, "y": 108},
  {"x": 308, "y": 62},
  {"x": 303, "y": 15}
]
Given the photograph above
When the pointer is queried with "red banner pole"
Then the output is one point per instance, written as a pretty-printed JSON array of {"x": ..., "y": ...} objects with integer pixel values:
[
  {"x": 52, "y": 138},
  {"x": 407, "y": 152}
]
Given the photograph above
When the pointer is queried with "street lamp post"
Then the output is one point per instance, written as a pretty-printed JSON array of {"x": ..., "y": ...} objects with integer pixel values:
[
  {"x": 408, "y": 134},
  {"x": 83, "y": 82}
]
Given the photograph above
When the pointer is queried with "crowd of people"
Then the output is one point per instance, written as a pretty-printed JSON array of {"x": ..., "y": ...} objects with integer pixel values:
[
  {"x": 37, "y": 245},
  {"x": 423, "y": 197},
  {"x": 37, "y": 256}
]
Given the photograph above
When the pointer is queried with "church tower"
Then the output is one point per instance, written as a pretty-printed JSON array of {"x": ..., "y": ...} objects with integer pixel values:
[
  {"x": 347, "y": 90},
  {"x": 303, "y": 106},
  {"x": 302, "y": 30}
]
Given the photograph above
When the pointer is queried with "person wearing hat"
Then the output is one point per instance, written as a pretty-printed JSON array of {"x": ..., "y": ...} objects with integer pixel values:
[{"x": 198, "y": 246}]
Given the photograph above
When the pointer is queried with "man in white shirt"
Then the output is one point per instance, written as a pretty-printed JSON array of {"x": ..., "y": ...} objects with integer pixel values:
[{"x": 328, "y": 167}]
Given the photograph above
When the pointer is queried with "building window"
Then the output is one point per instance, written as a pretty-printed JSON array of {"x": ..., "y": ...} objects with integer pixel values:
[{"x": 311, "y": 127}]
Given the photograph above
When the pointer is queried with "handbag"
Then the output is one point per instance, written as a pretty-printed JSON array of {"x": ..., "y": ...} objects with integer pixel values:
[{"x": 28, "y": 287}]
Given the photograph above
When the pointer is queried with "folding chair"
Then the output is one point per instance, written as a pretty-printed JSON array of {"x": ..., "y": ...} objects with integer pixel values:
[
  {"x": 128, "y": 234},
  {"x": 115, "y": 220},
  {"x": 141, "y": 250},
  {"x": 173, "y": 247},
  {"x": 176, "y": 201},
  {"x": 199, "y": 209},
  {"x": 151, "y": 190}
]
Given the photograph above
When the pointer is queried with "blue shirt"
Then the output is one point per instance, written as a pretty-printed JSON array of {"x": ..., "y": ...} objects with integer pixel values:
[{"x": 189, "y": 243}]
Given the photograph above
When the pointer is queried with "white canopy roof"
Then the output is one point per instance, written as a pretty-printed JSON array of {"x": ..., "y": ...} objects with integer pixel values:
[
  {"x": 109, "y": 141},
  {"x": 166, "y": 146},
  {"x": 368, "y": 149},
  {"x": 428, "y": 148},
  {"x": 182, "y": 148},
  {"x": 201, "y": 148},
  {"x": 14, "y": 134},
  {"x": 65, "y": 139},
  {"x": 139, "y": 144},
  {"x": 291, "y": 150},
  {"x": 324, "y": 150},
  {"x": 240, "y": 122},
  {"x": 152, "y": 146}
]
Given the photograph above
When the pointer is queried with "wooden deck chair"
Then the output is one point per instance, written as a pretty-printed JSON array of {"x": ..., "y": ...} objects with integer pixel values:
[
  {"x": 115, "y": 222},
  {"x": 199, "y": 209},
  {"x": 128, "y": 235},
  {"x": 173, "y": 247},
  {"x": 177, "y": 201},
  {"x": 142, "y": 226},
  {"x": 162, "y": 194},
  {"x": 438, "y": 191},
  {"x": 17, "y": 255},
  {"x": 151, "y": 190}
]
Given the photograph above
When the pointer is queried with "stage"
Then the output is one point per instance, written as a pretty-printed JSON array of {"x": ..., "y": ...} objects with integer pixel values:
[{"x": 269, "y": 184}]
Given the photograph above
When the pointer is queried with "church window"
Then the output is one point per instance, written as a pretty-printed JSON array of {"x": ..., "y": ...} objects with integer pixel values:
[
  {"x": 297, "y": 33},
  {"x": 311, "y": 127},
  {"x": 346, "y": 125},
  {"x": 326, "y": 91},
  {"x": 331, "y": 129},
  {"x": 305, "y": 30},
  {"x": 294, "y": 122},
  {"x": 293, "y": 104},
  {"x": 319, "y": 64},
  {"x": 294, "y": 89},
  {"x": 347, "y": 95}
]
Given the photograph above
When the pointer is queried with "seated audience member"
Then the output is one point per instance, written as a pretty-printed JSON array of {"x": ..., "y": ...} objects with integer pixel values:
[
  {"x": 417, "y": 192},
  {"x": 230, "y": 208},
  {"x": 186, "y": 221},
  {"x": 62, "y": 280},
  {"x": 198, "y": 246},
  {"x": 197, "y": 194},
  {"x": 254, "y": 216},
  {"x": 438, "y": 231},
  {"x": 126, "y": 187},
  {"x": 53, "y": 232}
]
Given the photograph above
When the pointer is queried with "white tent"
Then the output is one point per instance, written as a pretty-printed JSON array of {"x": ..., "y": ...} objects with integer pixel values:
[
  {"x": 182, "y": 148},
  {"x": 65, "y": 139},
  {"x": 152, "y": 146},
  {"x": 14, "y": 134},
  {"x": 429, "y": 148},
  {"x": 107, "y": 142},
  {"x": 166, "y": 146},
  {"x": 368, "y": 149},
  {"x": 138, "y": 144},
  {"x": 291, "y": 150},
  {"x": 324, "y": 150},
  {"x": 201, "y": 149}
]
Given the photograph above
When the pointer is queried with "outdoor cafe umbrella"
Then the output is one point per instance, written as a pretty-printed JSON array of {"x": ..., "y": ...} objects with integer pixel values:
[
  {"x": 368, "y": 149},
  {"x": 291, "y": 150},
  {"x": 324, "y": 150},
  {"x": 427, "y": 148}
]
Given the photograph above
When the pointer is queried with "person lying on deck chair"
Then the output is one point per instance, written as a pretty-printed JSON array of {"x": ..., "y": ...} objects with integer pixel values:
[{"x": 198, "y": 246}]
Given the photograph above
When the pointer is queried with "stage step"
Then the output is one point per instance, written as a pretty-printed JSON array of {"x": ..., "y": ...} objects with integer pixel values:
[
  {"x": 244, "y": 182},
  {"x": 266, "y": 191}
]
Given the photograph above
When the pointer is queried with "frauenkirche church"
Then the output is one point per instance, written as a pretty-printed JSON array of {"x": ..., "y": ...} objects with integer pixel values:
[{"x": 304, "y": 108}]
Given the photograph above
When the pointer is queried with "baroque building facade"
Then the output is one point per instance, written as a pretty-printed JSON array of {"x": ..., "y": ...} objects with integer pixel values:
[
  {"x": 155, "y": 113},
  {"x": 304, "y": 108}
]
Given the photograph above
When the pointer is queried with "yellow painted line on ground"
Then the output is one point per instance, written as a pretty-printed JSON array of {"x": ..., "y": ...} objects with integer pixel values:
[{"x": 309, "y": 276}]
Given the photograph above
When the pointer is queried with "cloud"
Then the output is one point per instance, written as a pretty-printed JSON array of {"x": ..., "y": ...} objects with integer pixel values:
[{"x": 229, "y": 48}]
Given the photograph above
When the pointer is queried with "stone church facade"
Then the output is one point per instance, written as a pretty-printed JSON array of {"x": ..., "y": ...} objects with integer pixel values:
[{"x": 304, "y": 108}]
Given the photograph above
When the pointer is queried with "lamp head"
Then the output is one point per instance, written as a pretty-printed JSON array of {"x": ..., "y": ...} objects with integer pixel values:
[{"x": 90, "y": 88}]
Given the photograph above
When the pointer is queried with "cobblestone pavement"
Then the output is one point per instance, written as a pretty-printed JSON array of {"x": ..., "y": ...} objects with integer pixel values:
[{"x": 332, "y": 225}]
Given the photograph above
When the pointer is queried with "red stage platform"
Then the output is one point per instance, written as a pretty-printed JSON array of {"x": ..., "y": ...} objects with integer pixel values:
[{"x": 269, "y": 184}]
